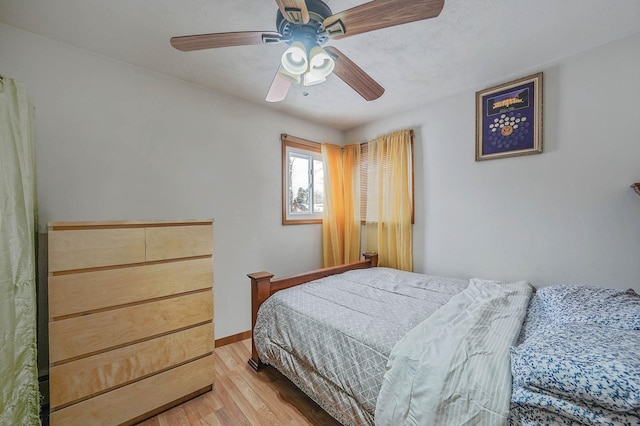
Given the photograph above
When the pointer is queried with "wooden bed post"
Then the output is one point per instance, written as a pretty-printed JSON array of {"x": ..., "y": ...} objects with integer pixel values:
[
  {"x": 373, "y": 257},
  {"x": 260, "y": 291},
  {"x": 262, "y": 287}
]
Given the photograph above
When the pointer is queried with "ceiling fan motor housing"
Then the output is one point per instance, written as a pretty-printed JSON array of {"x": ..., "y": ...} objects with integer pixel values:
[{"x": 310, "y": 34}]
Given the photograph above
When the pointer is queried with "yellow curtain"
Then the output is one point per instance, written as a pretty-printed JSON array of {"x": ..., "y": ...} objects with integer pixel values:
[
  {"x": 341, "y": 218},
  {"x": 388, "y": 229},
  {"x": 351, "y": 185},
  {"x": 333, "y": 210}
]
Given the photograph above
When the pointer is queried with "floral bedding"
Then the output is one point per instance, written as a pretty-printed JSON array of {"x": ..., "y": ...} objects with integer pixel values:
[
  {"x": 567, "y": 304},
  {"x": 578, "y": 358}
]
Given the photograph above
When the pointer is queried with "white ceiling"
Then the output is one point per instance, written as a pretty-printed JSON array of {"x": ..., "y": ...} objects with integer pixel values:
[{"x": 473, "y": 43}]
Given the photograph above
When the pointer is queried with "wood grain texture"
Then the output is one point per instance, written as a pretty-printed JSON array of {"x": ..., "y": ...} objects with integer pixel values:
[
  {"x": 103, "y": 224},
  {"x": 379, "y": 14},
  {"x": 233, "y": 338},
  {"x": 88, "y": 291},
  {"x": 211, "y": 41},
  {"x": 131, "y": 318},
  {"x": 294, "y": 11},
  {"x": 88, "y": 376},
  {"x": 371, "y": 261},
  {"x": 91, "y": 248},
  {"x": 84, "y": 335},
  {"x": 354, "y": 76},
  {"x": 175, "y": 242},
  {"x": 241, "y": 397},
  {"x": 131, "y": 401}
]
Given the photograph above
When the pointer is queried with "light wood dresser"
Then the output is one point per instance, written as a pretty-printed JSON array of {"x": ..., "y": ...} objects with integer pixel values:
[{"x": 130, "y": 318}]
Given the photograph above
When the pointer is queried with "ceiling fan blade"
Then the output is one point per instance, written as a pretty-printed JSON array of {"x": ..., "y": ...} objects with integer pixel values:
[
  {"x": 210, "y": 41},
  {"x": 354, "y": 76},
  {"x": 378, "y": 14},
  {"x": 279, "y": 89},
  {"x": 294, "y": 11}
]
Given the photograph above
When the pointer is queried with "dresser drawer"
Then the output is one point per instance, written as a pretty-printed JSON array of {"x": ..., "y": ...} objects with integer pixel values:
[
  {"x": 89, "y": 376},
  {"x": 91, "y": 248},
  {"x": 129, "y": 402},
  {"x": 86, "y": 334},
  {"x": 173, "y": 242},
  {"x": 71, "y": 294}
]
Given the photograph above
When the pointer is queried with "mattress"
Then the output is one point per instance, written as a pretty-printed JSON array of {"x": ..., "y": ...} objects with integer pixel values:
[{"x": 333, "y": 337}]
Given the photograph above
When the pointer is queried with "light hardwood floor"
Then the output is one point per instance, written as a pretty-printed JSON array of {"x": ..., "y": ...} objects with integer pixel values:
[{"x": 242, "y": 397}]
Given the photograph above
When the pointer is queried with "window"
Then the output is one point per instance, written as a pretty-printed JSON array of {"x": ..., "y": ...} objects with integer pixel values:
[{"x": 302, "y": 181}]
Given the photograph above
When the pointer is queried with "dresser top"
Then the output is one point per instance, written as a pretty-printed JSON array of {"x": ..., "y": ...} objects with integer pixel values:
[{"x": 126, "y": 223}]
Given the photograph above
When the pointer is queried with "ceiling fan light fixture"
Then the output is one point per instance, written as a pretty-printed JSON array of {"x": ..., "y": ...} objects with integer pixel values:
[
  {"x": 320, "y": 62},
  {"x": 294, "y": 59},
  {"x": 293, "y": 78},
  {"x": 311, "y": 78}
]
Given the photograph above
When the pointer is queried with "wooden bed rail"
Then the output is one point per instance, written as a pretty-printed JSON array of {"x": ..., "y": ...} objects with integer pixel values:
[{"x": 262, "y": 287}]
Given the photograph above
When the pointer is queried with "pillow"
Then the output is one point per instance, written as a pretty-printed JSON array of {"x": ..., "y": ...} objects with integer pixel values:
[
  {"x": 591, "y": 363},
  {"x": 591, "y": 305}
]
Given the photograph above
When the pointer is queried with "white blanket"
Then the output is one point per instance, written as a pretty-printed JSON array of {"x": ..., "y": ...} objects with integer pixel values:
[{"x": 454, "y": 367}]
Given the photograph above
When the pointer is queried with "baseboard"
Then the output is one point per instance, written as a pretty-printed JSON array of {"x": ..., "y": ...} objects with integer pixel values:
[{"x": 233, "y": 339}]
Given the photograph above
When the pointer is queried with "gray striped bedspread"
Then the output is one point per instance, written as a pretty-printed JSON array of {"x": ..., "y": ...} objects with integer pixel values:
[
  {"x": 454, "y": 368},
  {"x": 333, "y": 337}
]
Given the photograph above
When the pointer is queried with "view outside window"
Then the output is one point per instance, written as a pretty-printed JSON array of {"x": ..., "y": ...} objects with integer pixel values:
[
  {"x": 318, "y": 186},
  {"x": 306, "y": 184},
  {"x": 302, "y": 181}
]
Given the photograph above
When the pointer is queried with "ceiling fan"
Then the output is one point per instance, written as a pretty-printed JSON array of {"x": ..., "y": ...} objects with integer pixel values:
[{"x": 306, "y": 25}]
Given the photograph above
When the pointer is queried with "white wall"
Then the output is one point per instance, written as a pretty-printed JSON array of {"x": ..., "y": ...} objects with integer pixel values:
[
  {"x": 566, "y": 215},
  {"x": 118, "y": 142}
]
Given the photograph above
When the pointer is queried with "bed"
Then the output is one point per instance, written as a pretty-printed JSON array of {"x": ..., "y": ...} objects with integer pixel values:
[{"x": 379, "y": 346}]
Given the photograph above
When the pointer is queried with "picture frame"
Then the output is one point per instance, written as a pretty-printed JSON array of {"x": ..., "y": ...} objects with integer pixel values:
[{"x": 509, "y": 119}]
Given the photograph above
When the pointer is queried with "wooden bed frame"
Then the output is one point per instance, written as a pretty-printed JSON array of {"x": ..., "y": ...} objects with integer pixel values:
[{"x": 262, "y": 287}]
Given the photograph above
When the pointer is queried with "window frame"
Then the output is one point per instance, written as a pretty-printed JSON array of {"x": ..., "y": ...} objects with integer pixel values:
[{"x": 312, "y": 148}]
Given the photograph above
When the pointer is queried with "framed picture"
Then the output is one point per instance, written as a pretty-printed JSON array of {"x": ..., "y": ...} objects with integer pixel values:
[{"x": 509, "y": 119}]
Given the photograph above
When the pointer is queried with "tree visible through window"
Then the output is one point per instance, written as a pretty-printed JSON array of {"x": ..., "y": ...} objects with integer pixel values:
[{"x": 302, "y": 181}]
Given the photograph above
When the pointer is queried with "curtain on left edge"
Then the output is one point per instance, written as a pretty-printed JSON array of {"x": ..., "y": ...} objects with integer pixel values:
[{"x": 19, "y": 395}]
